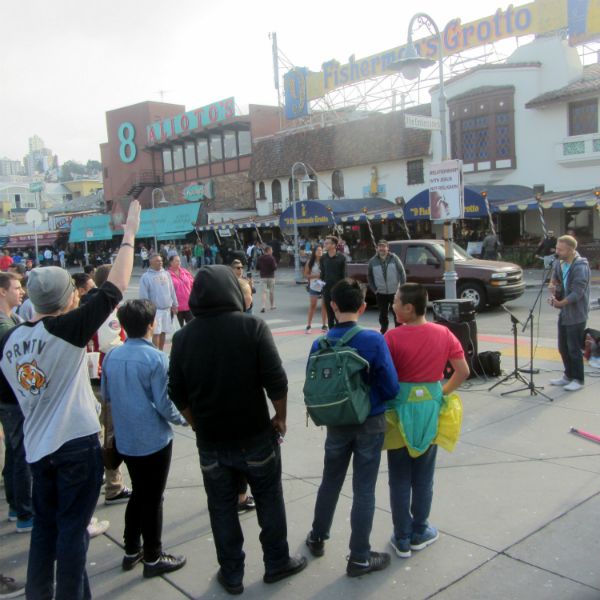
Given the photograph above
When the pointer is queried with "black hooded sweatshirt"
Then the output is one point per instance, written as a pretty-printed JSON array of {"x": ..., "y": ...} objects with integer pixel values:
[{"x": 221, "y": 364}]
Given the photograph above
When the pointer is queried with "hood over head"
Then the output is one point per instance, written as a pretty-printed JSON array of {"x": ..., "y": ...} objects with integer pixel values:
[{"x": 216, "y": 290}]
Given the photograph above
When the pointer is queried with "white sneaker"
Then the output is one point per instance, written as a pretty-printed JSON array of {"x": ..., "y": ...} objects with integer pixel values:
[
  {"x": 573, "y": 386},
  {"x": 562, "y": 381},
  {"x": 96, "y": 528},
  {"x": 594, "y": 362}
]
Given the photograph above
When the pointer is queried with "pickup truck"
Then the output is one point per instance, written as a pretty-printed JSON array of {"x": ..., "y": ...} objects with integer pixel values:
[{"x": 484, "y": 282}]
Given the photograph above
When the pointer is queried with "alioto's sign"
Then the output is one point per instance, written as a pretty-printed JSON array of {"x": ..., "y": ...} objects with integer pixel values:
[
  {"x": 190, "y": 121},
  {"x": 581, "y": 18}
]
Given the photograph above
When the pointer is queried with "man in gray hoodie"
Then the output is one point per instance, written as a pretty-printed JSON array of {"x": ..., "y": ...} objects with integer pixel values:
[
  {"x": 385, "y": 274},
  {"x": 570, "y": 288}
]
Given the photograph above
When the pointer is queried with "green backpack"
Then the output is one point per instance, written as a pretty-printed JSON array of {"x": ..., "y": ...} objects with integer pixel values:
[{"x": 335, "y": 392}]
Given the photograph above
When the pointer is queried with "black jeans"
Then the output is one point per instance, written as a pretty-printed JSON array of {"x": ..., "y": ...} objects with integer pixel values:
[
  {"x": 261, "y": 465},
  {"x": 144, "y": 512},
  {"x": 384, "y": 304},
  {"x": 184, "y": 316},
  {"x": 570, "y": 344},
  {"x": 327, "y": 300}
]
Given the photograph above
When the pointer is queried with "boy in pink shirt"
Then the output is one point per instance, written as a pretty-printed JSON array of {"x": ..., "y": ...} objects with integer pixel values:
[{"x": 420, "y": 351}]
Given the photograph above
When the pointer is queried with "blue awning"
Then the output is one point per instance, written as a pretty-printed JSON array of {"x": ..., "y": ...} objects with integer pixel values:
[
  {"x": 168, "y": 222},
  {"x": 475, "y": 208},
  {"x": 90, "y": 228},
  {"x": 319, "y": 213}
]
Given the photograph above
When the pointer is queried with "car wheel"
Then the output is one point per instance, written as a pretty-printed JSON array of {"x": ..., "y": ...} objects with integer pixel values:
[{"x": 473, "y": 292}]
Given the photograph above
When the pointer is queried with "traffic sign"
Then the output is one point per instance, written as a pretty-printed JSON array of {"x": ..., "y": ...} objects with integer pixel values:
[{"x": 33, "y": 217}]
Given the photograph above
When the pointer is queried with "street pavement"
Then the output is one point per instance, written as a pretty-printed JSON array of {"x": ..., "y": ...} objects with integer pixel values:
[{"x": 516, "y": 503}]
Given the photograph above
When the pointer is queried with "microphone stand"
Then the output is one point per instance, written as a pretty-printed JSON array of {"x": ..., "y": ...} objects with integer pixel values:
[
  {"x": 516, "y": 372},
  {"x": 533, "y": 389}
]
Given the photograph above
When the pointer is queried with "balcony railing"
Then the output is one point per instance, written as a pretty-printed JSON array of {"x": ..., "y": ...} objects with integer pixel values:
[{"x": 579, "y": 150}]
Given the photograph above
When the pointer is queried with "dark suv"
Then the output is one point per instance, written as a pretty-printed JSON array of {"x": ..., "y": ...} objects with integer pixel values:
[{"x": 485, "y": 282}]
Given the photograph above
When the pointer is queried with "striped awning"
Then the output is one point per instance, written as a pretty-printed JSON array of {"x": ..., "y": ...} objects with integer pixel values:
[{"x": 574, "y": 199}]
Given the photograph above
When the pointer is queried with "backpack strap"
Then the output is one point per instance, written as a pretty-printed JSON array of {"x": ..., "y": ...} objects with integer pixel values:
[{"x": 348, "y": 335}]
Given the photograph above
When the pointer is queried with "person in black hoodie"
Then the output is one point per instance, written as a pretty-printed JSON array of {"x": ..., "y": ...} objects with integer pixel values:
[{"x": 221, "y": 364}]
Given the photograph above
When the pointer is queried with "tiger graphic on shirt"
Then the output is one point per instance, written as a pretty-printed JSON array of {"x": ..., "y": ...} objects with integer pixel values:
[{"x": 31, "y": 377}]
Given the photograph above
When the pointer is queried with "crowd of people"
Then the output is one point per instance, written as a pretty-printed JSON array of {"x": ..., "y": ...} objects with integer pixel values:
[{"x": 120, "y": 382}]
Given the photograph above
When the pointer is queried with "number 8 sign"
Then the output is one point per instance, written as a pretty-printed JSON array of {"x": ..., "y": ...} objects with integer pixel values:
[{"x": 127, "y": 149}]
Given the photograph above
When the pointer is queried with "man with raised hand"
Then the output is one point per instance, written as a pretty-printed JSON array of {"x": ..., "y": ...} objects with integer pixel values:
[{"x": 43, "y": 367}]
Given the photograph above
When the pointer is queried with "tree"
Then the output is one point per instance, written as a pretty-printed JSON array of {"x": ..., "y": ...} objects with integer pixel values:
[
  {"x": 70, "y": 169},
  {"x": 93, "y": 166}
]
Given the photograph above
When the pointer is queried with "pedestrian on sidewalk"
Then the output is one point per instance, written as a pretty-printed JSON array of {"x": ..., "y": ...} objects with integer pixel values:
[
  {"x": 47, "y": 375},
  {"x": 267, "y": 265},
  {"x": 312, "y": 272},
  {"x": 570, "y": 289},
  {"x": 229, "y": 413},
  {"x": 156, "y": 285},
  {"x": 361, "y": 443},
  {"x": 333, "y": 269},
  {"x": 134, "y": 383},
  {"x": 182, "y": 282},
  {"x": 16, "y": 472},
  {"x": 420, "y": 351},
  {"x": 385, "y": 274}
]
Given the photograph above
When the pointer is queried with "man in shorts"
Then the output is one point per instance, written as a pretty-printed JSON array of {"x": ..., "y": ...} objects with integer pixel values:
[
  {"x": 156, "y": 285},
  {"x": 267, "y": 265}
]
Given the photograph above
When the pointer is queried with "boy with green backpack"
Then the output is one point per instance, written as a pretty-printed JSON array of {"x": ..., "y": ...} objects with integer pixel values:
[{"x": 361, "y": 441}]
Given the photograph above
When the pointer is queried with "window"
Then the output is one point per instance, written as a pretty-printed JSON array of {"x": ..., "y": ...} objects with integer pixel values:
[
  {"x": 414, "y": 172},
  {"x": 276, "y": 190},
  {"x": 337, "y": 184},
  {"x": 482, "y": 131},
  {"x": 419, "y": 255},
  {"x": 167, "y": 160},
  {"x": 190, "y": 154},
  {"x": 583, "y": 117},
  {"x": 17, "y": 200},
  {"x": 244, "y": 143},
  {"x": 261, "y": 191},
  {"x": 202, "y": 148},
  {"x": 230, "y": 145},
  {"x": 216, "y": 148},
  {"x": 177, "y": 158},
  {"x": 105, "y": 171}
]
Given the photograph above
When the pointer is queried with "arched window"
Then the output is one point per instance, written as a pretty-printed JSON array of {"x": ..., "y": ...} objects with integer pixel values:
[
  {"x": 337, "y": 183},
  {"x": 313, "y": 189},
  {"x": 261, "y": 190},
  {"x": 276, "y": 191}
]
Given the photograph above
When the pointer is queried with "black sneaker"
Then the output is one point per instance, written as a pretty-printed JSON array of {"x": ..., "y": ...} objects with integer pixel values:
[
  {"x": 130, "y": 560},
  {"x": 377, "y": 562},
  {"x": 232, "y": 588},
  {"x": 165, "y": 564},
  {"x": 316, "y": 547},
  {"x": 122, "y": 497},
  {"x": 294, "y": 565}
]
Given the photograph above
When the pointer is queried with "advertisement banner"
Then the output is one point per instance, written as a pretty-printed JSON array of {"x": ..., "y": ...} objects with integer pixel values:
[{"x": 446, "y": 191}]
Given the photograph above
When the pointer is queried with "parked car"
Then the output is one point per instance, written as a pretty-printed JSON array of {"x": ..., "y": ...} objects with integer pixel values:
[{"x": 485, "y": 282}]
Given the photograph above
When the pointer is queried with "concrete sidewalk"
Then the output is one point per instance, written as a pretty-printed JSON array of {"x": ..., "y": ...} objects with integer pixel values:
[{"x": 517, "y": 505}]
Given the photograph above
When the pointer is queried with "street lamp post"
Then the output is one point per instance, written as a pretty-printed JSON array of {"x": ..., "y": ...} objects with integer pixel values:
[
  {"x": 410, "y": 66},
  {"x": 162, "y": 201},
  {"x": 306, "y": 180}
]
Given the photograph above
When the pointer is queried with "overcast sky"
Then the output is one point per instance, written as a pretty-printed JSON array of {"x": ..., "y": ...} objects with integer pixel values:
[{"x": 66, "y": 62}]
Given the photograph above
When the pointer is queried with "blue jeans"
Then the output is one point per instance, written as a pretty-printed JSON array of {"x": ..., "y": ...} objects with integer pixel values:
[
  {"x": 66, "y": 486},
  {"x": 411, "y": 490},
  {"x": 261, "y": 465},
  {"x": 17, "y": 475},
  {"x": 570, "y": 344},
  {"x": 342, "y": 444}
]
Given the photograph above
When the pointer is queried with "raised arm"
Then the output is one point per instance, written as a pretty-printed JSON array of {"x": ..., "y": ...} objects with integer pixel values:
[{"x": 120, "y": 274}]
